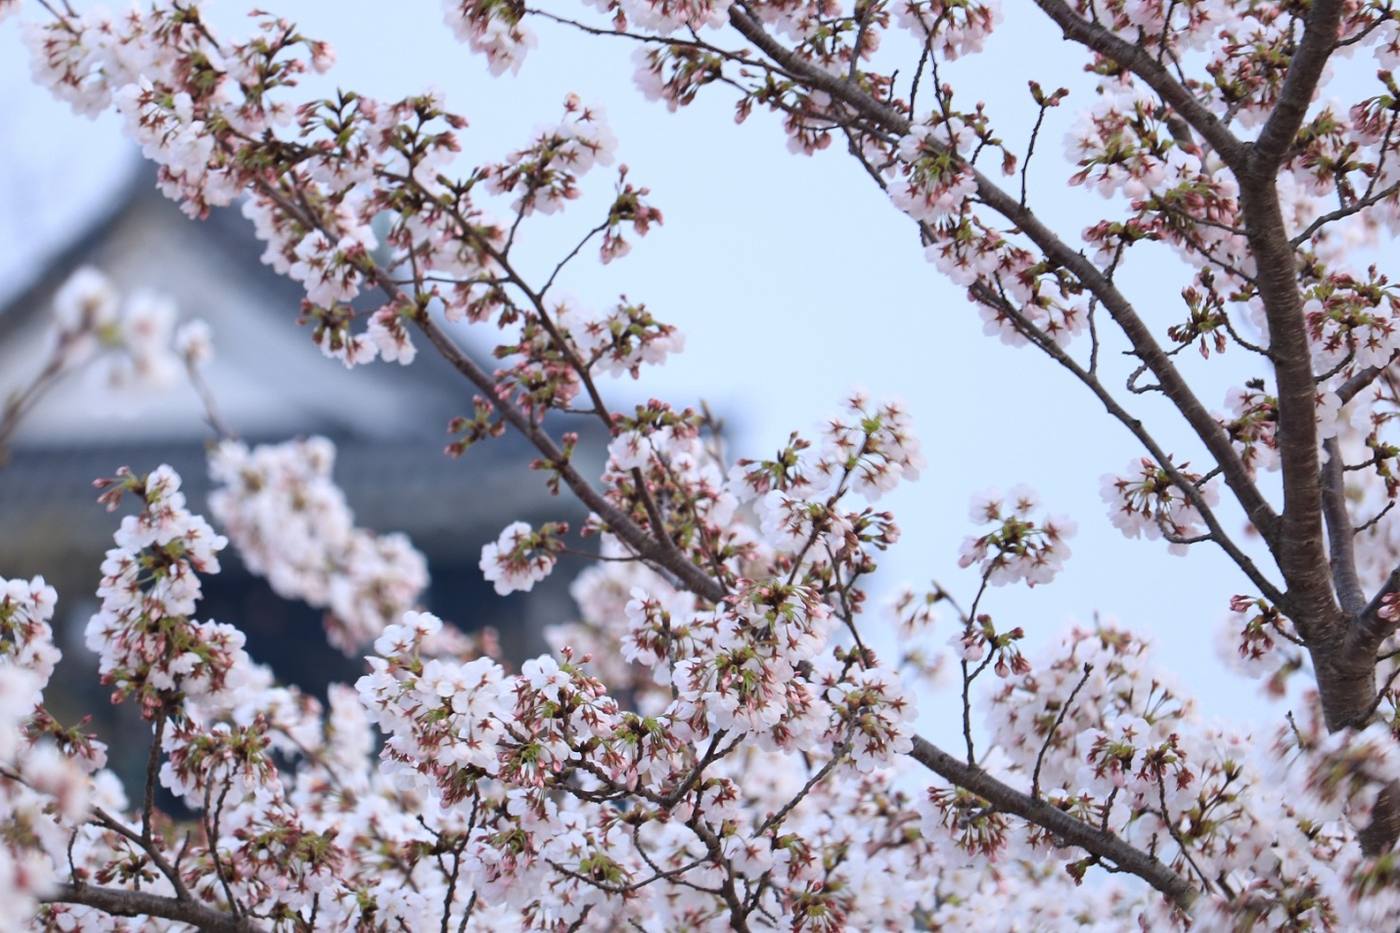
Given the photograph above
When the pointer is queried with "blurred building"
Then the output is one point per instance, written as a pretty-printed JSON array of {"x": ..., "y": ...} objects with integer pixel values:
[{"x": 271, "y": 383}]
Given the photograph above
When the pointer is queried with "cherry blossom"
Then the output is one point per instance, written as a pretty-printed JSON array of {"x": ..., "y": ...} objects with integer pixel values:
[
  {"x": 520, "y": 557},
  {"x": 292, "y": 524},
  {"x": 1148, "y": 503},
  {"x": 1017, "y": 548},
  {"x": 714, "y": 741}
]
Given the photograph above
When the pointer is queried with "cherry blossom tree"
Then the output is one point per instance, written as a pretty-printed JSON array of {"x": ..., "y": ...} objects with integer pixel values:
[{"x": 716, "y": 742}]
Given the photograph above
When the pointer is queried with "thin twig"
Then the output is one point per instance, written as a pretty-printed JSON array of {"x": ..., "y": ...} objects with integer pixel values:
[{"x": 1050, "y": 736}]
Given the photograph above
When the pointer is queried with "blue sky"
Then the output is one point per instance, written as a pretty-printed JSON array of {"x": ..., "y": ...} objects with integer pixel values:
[{"x": 794, "y": 280}]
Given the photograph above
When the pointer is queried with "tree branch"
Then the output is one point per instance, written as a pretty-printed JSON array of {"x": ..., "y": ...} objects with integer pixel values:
[
  {"x": 618, "y": 523},
  {"x": 655, "y": 551},
  {"x": 1072, "y": 831},
  {"x": 1189, "y": 489},
  {"x": 120, "y": 903},
  {"x": 1358, "y": 383},
  {"x": 1340, "y": 534},
  {"x": 1300, "y": 552},
  {"x": 1137, "y": 59},
  {"x": 1299, "y": 547},
  {"x": 1319, "y": 40},
  {"x": 1055, "y": 727},
  {"x": 1370, "y": 629}
]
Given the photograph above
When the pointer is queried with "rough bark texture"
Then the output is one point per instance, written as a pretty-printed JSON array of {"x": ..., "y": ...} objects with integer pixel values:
[{"x": 121, "y": 903}]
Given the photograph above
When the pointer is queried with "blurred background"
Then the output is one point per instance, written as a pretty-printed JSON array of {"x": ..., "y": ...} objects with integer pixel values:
[
  {"x": 388, "y": 424},
  {"x": 793, "y": 279}
]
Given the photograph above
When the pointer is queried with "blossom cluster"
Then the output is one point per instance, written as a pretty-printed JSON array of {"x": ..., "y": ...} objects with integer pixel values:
[
  {"x": 130, "y": 349},
  {"x": 1148, "y": 502},
  {"x": 521, "y": 556},
  {"x": 513, "y": 776},
  {"x": 47, "y": 785},
  {"x": 148, "y": 645},
  {"x": 292, "y": 525},
  {"x": 1017, "y": 547},
  {"x": 1109, "y": 736},
  {"x": 208, "y": 112}
]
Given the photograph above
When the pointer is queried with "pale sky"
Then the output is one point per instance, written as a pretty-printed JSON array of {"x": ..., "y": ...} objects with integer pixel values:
[{"x": 794, "y": 280}]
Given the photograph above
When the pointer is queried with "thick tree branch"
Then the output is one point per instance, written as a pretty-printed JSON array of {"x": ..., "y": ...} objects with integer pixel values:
[
  {"x": 1300, "y": 551},
  {"x": 1067, "y": 828},
  {"x": 1380, "y": 834},
  {"x": 1319, "y": 41},
  {"x": 1140, "y": 61},
  {"x": 1341, "y": 537},
  {"x": 1370, "y": 630},
  {"x": 1358, "y": 383},
  {"x": 121, "y": 903}
]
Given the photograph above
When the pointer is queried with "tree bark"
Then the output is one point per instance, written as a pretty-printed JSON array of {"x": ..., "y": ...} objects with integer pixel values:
[{"x": 121, "y": 903}]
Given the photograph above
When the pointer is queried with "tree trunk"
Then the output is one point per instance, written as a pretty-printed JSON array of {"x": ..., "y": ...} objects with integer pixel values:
[{"x": 1346, "y": 681}]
